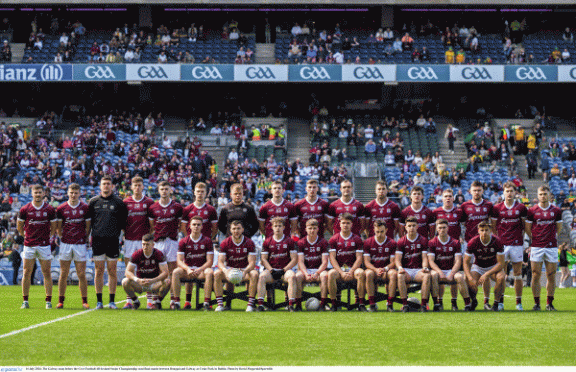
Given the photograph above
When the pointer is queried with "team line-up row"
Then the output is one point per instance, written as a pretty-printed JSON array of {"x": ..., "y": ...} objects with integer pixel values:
[{"x": 429, "y": 249}]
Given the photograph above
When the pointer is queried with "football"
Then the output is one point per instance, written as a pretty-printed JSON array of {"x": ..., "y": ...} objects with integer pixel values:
[
  {"x": 235, "y": 276},
  {"x": 312, "y": 304}
]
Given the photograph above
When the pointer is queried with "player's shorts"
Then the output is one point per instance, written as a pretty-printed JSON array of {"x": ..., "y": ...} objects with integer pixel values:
[
  {"x": 412, "y": 272},
  {"x": 464, "y": 247},
  {"x": 168, "y": 247},
  {"x": 544, "y": 254},
  {"x": 311, "y": 271},
  {"x": 573, "y": 270},
  {"x": 40, "y": 252},
  {"x": 481, "y": 270},
  {"x": 103, "y": 248},
  {"x": 131, "y": 246},
  {"x": 513, "y": 253},
  {"x": 76, "y": 252}
]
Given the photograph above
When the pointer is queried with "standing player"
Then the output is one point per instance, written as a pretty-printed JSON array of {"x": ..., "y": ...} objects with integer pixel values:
[
  {"x": 475, "y": 211},
  {"x": 195, "y": 259},
  {"x": 209, "y": 227},
  {"x": 450, "y": 213},
  {"x": 236, "y": 252},
  {"x": 108, "y": 215},
  {"x": 543, "y": 225},
  {"x": 445, "y": 259},
  {"x": 488, "y": 252},
  {"x": 146, "y": 272},
  {"x": 37, "y": 223},
  {"x": 508, "y": 220},
  {"x": 311, "y": 207},
  {"x": 137, "y": 223},
  {"x": 277, "y": 207},
  {"x": 238, "y": 210},
  {"x": 379, "y": 251},
  {"x": 346, "y": 250},
  {"x": 412, "y": 263},
  {"x": 383, "y": 209},
  {"x": 346, "y": 204},
  {"x": 73, "y": 226},
  {"x": 424, "y": 216},
  {"x": 279, "y": 255},
  {"x": 165, "y": 216},
  {"x": 313, "y": 261}
]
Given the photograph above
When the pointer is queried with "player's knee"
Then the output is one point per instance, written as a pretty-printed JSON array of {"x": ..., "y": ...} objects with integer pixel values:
[
  {"x": 253, "y": 275},
  {"x": 434, "y": 275},
  {"x": 125, "y": 282},
  {"x": 370, "y": 274},
  {"x": 359, "y": 274},
  {"x": 218, "y": 274},
  {"x": 208, "y": 272},
  {"x": 333, "y": 274}
]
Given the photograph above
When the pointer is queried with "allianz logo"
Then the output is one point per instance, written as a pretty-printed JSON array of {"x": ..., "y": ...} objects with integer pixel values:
[
  {"x": 260, "y": 73},
  {"x": 152, "y": 72},
  {"x": 476, "y": 73},
  {"x": 368, "y": 73},
  {"x": 531, "y": 73},
  {"x": 206, "y": 72},
  {"x": 316, "y": 73},
  {"x": 48, "y": 72},
  {"x": 422, "y": 73},
  {"x": 99, "y": 72}
]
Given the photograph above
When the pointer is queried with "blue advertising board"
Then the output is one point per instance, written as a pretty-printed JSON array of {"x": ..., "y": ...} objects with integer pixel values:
[
  {"x": 207, "y": 72},
  {"x": 99, "y": 72},
  {"x": 423, "y": 73},
  {"x": 315, "y": 73},
  {"x": 531, "y": 74},
  {"x": 36, "y": 72}
]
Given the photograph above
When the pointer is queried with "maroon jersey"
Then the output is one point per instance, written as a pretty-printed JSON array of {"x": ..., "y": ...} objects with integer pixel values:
[
  {"x": 454, "y": 217},
  {"x": 37, "y": 224},
  {"x": 73, "y": 222},
  {"x": 305, "y": 211},
  {"x": 509, "y": 223},
  {"x": 166, "y": 220},
  {"x": 312, "y": 252},
  {"x": 444, "y": 252},
  {"x": 380, "y": 254},
  {"x": 412, "y": 251},
  {"x": 388, "y": 212},
  {"x": 354, "y": 207},
  {"x": 485, "y": 253},
  {"x": 147, "y": 267},
  {"x": 544, "y": 225},
  {"x": 270, "y": 210},
  {"x": 424, "y": 216},
  {"x": 137, "y": 223},
  {"x": 195, "y": 252},
  {"x": 237, "y": 254},
  {"x": 474, "y": 214},
  {"x": 279, "y": 251},
  {"x": 208, "y": 214},
  {"x": 346, "y": 249}
]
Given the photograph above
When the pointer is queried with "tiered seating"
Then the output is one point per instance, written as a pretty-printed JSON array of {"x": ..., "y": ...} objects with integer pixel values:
[
  {"x": 542, "y": 44},
  {"x": 300, "y": 191}
]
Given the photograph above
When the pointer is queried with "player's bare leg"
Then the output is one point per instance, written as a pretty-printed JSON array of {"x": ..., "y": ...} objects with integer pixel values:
[
  {"x": 435, "y": 286},
  {"x": 425, "y": 279},
  {"x": 299, "y": 284},
  {"x": 63, "y": 282},
  {"x": 27, "y": 280},
  {"x": 392, "y": 276},
  {"x": 324, "y": 284},
  {"x": 550, "y": 284},
  {"x": 360, "y": 277},
  {"x": 518, "y": 283},
  {"x": 333, "y": 277},
  {"x": 486, "y": 289},
  {"x": 290, "y": 279},
  {"x": 82, "y": 282},
  {"x": 252, "y": 279},
  {"x": 176, "y": 283},
  {"x": 536, "y": 288},
  {"x": 45, "y": 266},
  {"x": 370, "y": 284},
  {"x": 263, "y": 280},
  {"x": 171, "y": 267},
  {"x": 403, "y": 278},
  {"x": 463, "y": 288},
  {"x": 112, "y": 281},
  {"x": 99, "y": 267},
  {"x": 473, "y": 289},
  {"x": 500, "y": 279},
  {"x": 208, "y": 277}
]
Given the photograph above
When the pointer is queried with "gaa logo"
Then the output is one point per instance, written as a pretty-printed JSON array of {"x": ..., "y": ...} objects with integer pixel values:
[
  {"x": 573, "y": 73},
  {"x": 99, "y": 72},
  {"x": 531, "y": 73},
  {"x": 368, "y": 73},
  {"x": 422, "y": 73},
  {"x": 259, "y": 73},
  {"x": 470, "y": 73},
  {"x": 205, "y": 72},
  {"x": 152, "y": 72},
  {"x": 51, "y": 72},
  {"x": 315, "y": 73}
]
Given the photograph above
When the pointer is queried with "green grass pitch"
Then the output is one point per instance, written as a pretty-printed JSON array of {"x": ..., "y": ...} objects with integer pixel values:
[{"x": 185, "y": 338}]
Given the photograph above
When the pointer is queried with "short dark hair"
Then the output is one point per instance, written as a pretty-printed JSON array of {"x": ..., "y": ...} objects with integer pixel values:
[
  {"x": 442, "y": 221},
  {"x": 346, "y": 216},
  {"x": 74, "y": 186},
  {"x": 106, "y": 178},
  {"x": 411, "y": 219},
  {"x": 147, "y": 237},
  {"x": 477, "y": 184},
  {"x": 484, "y": 224}
]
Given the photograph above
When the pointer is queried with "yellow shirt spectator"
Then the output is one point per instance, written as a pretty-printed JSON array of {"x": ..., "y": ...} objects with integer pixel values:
[
  {"x": 460, "y": 56},
  {"x": 449, "y": 56},
  {"x": 531, "y": 142},
  {"x": 519, "y": 134}
]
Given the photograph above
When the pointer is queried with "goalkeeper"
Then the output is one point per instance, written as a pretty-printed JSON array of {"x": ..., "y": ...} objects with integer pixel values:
[{"x": 279, "y": 256}]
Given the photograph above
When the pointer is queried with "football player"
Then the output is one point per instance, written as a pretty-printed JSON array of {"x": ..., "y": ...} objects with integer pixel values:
[
  {"x": 278, "y": 207},
  {"x": 417, "y": 209},
  {"x": 346, "y": 204},
  {"x": 383, "y": 209}
]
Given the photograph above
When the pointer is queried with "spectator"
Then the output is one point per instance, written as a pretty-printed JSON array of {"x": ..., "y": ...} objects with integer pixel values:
[
  {"x": 388, "y": 34},
  {"x": 567, "y": 35},
  {"x": 397, "y": 45},
  {"x": 370, "y": 147},
  {"x": 407, "y": 42}
]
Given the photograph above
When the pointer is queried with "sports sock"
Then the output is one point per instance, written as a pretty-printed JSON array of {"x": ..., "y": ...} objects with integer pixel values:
[
  {"x": 424, "y": 302},
  {"x": 206, "y": 300},
  {"x": 372, "y": 300},
  {"x": 404, "y": 302},
  {"x": 149, "y": 297},
  {"x": 112, "y": 297},
  {"x": 333, "y": 303},
  {"x": 48, "y": 298},
  {"x": 61, "y": 299},
  {"x": 135, "y": 298},
  {"x": 25, "y": 298},
  {"x": 454, "y": 302},
  {"x": 298, "y": 301},
  {"x": 549, "y": 300},
  {"x": 496, "y": 303},
  {"x": 440, "y": 300},
  {"x": 84, "y": 300},
  {"x": 260, "y": 301},
  {"x": 537, "y": 301},
  {"x": 129, "y": 300},
  {"x": 251, "y": 301},
  {"x": 357, "y": 298},
  {"x": 518, "y": 300},
  {"x": 390, "y": 300},
  {"x": 291, "y": 302},
  {"x": 188, "y": 297},
  {"x": 435, "y": 300},
  {"x": 466, "y": 301},
  {"x": 360, "y": 301},
  {"x": 486, "y": 300},
  {"x": 229, "y": 302},
  {"x": 323, "y": 302},
  {"x": 501, "y": 299},
  {"x": 219, "y": 300},
  {"x": 177, "y": 299}
]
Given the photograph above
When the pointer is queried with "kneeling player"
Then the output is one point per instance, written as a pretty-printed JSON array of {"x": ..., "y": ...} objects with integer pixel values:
[
  {"x": 346, "y": 249},
  {"x": 236, "y": 252},
  {"x": 146, "y": 272},
  {"x": 412, "y": 263},
  {"x": 379, "y": 253},
  {"x": 445, "y": 259},
  {"x": 279, "y": 256},
  {"x": 489, "y": 261},
  {"x": 195, "y": 258},
  {"x": 313, "y": 261}
]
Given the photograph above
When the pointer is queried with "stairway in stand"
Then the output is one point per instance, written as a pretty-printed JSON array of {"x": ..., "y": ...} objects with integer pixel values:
[
  {"x": 298, "y": 132},
  {"x": 459, "y": 156},
  {"x": 364, "y": 189}
]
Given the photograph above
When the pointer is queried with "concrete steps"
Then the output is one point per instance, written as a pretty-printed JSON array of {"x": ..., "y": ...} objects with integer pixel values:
[
  {"x": 459, "y": 156},
  {"x": 17, "y": 52},
  {"x": 264, "y": 53},
  {"x": 298, "y": 140},
  {"x": 364, "y": 188}
]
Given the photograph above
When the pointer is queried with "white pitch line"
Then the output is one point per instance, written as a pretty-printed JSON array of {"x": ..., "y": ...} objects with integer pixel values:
[{"x": 52, "y": 321}]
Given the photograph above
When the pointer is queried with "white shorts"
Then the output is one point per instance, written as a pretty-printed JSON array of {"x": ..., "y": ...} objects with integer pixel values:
[
  {"x": 544, "y": 254},
  {"x": 311, "y": 271},
  {"x": 42, "y": 253},
  {"x": 131, "y": 246},
  {"x": 513, "y": 253},
  {"x": 412, "y": 272},
  {"x": 103, "y": 257},
  {"x": 76, "y": 252},
  {"x": 464, "y": 246},
  {"x": 481, "y": 270},
  {"x": 169, "y": 247},
  {"x": 573, "y": 270}
]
